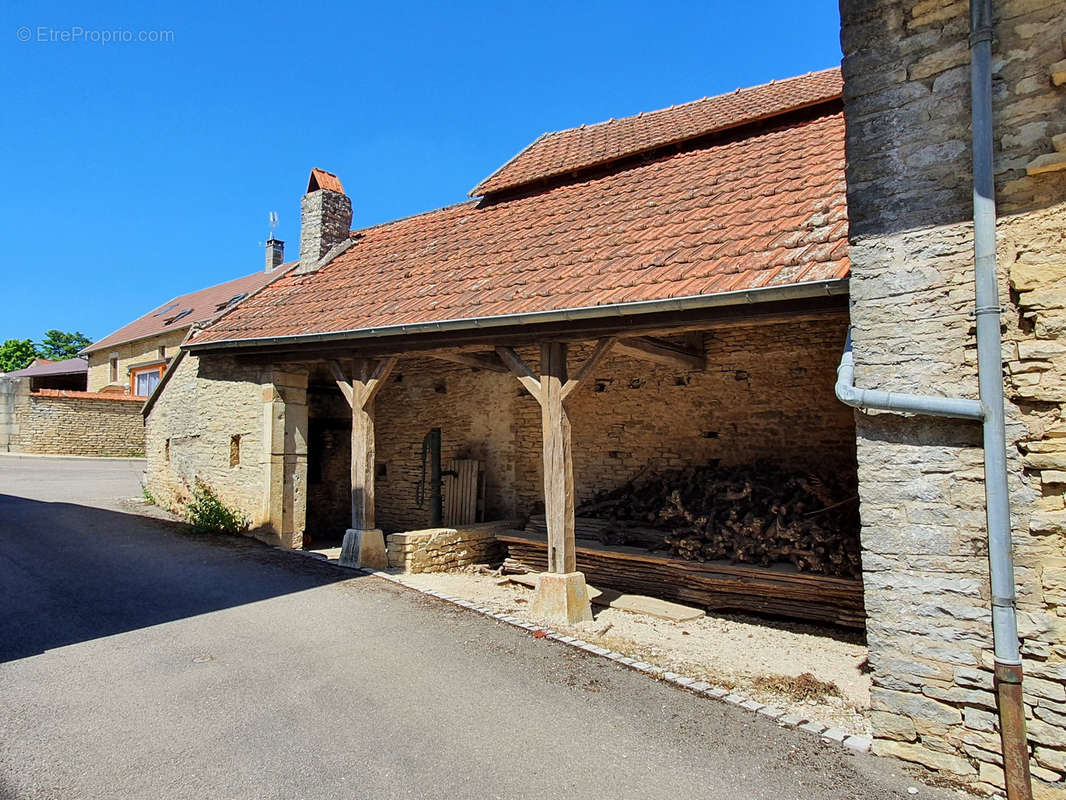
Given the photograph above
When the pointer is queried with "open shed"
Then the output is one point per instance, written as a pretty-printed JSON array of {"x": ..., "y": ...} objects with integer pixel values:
[{"x": 619, "y": 303}]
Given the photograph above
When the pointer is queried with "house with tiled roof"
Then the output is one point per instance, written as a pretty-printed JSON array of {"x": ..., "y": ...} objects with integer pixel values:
[
  {"x": 132, "y": 359},
  {"x": 654, "y": 293}
]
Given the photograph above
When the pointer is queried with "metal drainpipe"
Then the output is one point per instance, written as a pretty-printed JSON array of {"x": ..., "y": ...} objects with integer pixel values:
[{"x": 1008, "y": 661}]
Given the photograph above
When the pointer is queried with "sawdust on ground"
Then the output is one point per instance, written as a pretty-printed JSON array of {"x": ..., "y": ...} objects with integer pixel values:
[{"x": 757, "y": 658}]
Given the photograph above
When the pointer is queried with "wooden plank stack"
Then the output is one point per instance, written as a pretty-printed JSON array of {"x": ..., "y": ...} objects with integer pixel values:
[{"x": 780, "y": 590}]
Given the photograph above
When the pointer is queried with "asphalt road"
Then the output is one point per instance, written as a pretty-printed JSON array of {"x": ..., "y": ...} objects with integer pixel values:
[{"x": 141, "y": 661}]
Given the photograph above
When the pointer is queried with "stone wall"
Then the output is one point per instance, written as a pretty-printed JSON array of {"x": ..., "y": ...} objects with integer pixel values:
[
  {"x": 767, "y": 393},
  {"x": 239, "y": 429},
  {"x": 60, "y": 422},
  {"x": 443, "y": 549},
  {"x": 141, "y": 351},
  {"x": 909, "y": 196}
]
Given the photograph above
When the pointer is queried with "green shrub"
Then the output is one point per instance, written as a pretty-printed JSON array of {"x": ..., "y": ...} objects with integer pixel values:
[
  {"x": 149, "y": 498},
  {"x": 208, "y": 514}
]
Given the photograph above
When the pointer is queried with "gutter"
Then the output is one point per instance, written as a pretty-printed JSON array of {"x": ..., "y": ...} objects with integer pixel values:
[{"x": 794, "y": 291}]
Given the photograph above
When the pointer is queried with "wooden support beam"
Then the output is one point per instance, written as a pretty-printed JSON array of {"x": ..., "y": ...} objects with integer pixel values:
[
  {"x": 662, "y": 353},
  {"x": 342, "y": 380},
  {"x": 367, "y": 379},
  {"x": 558, "y": 461},
  {"x": 600, "y": 352},
  {"x": 486, "y": 361},
  {"x": 521, "y": 370}
]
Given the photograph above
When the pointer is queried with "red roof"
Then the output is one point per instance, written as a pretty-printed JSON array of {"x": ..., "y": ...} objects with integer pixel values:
[
  {"x": 559, "y": 153},
  {"x": 183, "y": 311},
  {"x": 762, "y": 210},
  {"x": 321, "y": 179}
]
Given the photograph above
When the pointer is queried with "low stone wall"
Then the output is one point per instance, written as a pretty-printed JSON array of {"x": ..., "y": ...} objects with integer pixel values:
[
  {"x": 60, "y": 422},
  {"x": 443, "y": 549}
]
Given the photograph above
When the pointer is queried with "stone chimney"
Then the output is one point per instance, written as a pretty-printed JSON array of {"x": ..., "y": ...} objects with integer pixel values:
[
  {"x": 325, "y": 217},
  {"x": 275, "y": 253}
]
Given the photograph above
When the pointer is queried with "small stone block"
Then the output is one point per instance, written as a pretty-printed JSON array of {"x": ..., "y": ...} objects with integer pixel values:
[
  {"x": 562, "y": 597},
  {"x": 860, "y": 744},
  {"x": 580, "y": 643},
  {"x": 567, "y": 640},
  {"x": 771, "y": 712},
  {"x": 1058, "y": 73},
  {"x": 600, "y": 651},
  {"x": 363, "y": 549},
  {"x": 670, "y": 676},
  {"x": 834, "y": 735},
  {"x": 642, "y": 666},
  {"x": 735, "y": 699},
  {"x": 1049, "y": 162},
  {"x": 700, "y": 686},
  {"x": 684, "y": 680},
  {"x": 791, "y": 720},
  {"x": 716, "y": 693},
  {"x": 812, "y": 727},
  {"x": 627, "y": 661},
  {"x": 752, "y": 705}
]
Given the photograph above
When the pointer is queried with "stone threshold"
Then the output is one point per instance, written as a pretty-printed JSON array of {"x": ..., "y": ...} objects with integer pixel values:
[{"x": 829, "y": 735}]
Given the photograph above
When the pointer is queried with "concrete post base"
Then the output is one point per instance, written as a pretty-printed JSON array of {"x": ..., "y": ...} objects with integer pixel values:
[
  {"x": 562, "y": 597},
  {"x": 363, "y": 549}
]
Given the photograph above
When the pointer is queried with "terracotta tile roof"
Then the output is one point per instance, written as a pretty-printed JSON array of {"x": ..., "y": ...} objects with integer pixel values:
[
  {"x": 320, "y": 179},
  {"x": 42, "y": 367},
  {"x": 561, "y": 152},
  {"x": 767, "y": 210},
  {"x": 200, "y": 306}
]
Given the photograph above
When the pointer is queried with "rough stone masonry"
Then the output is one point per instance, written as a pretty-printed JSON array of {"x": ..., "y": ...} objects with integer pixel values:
[{"x": 907, "y": 107}]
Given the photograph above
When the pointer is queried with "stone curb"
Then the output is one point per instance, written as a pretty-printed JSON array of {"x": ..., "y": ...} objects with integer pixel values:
[
  {"x": 829, "y": 735},
  {"x": 61, "y": 457}
]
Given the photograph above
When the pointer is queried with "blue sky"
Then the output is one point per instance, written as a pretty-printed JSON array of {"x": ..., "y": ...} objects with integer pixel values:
[{"x": 133, "y": 172}]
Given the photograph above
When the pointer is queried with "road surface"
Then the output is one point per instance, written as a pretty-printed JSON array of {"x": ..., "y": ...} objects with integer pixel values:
[{"x": 138, "y": 660}]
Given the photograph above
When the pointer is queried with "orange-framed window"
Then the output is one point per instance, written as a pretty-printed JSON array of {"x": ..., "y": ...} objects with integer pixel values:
[{"x": 144, "y": 380}]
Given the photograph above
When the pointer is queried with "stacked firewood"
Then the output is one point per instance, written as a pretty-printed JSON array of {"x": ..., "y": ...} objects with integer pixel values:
[{"x": 753, "y": 514}]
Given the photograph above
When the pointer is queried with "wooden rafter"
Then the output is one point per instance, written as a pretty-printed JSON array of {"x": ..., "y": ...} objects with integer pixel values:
[{"x": 661, "y": 352}]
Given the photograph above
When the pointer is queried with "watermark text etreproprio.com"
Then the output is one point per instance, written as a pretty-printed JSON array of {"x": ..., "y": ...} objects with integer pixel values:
[{"x": 76, "y": 34}]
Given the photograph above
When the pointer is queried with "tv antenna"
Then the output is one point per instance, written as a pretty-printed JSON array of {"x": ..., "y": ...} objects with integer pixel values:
[{"x": 273, "y": 222}]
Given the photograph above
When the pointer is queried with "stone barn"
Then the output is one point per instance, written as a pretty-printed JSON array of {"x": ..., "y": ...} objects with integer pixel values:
[{"x": 638, "y": 298}]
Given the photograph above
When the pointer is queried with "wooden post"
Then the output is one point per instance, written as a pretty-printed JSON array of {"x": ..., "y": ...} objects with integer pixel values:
[
  {"x": 363, "y": 544},
  {"x": 558, "y": 462},
  {"x": 362, "y": 449},
  {"x": 561, "y": 593}
]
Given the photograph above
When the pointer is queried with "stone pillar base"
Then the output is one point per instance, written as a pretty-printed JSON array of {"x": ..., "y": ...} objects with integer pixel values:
[
  {"x": 363, "y": 549},
  {"x": 562, "y": 597}
]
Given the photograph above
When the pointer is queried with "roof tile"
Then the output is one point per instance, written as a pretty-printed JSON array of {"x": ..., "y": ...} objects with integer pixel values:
[
  {"x": 766, "y": 210},
  {"x": 562, "y": 152}
]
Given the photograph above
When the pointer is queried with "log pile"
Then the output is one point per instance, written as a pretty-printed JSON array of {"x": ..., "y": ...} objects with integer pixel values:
[{"x": 755, "y": 514}]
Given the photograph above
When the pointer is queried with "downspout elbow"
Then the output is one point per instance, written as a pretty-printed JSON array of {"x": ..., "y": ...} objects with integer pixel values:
[{"x": 872, "y": 399}]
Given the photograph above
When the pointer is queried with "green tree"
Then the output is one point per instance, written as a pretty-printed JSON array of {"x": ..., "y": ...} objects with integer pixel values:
[
  {"x": 59, "y": 345},
  {"x": 16, "y": 354}
]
